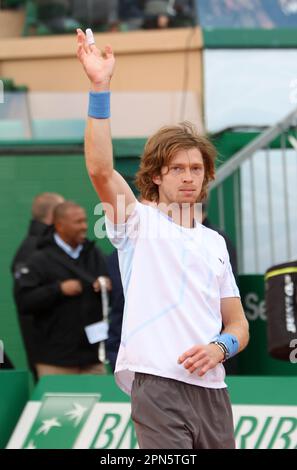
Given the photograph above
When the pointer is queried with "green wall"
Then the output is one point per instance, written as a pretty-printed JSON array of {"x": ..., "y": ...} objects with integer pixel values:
[
  {"x": 21, "y": 178},
  {"x": 253, "y": 38},
  {"x": 26, "y": 170}
]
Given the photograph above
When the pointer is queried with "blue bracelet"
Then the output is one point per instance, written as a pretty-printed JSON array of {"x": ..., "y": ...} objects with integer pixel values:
[
  {"x": 99, "y": 104},
  {"x": 230, "y": 342}
]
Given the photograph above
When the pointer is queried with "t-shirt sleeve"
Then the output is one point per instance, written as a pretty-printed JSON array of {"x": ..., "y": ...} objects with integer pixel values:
[
  {"x": 122, "y": 235},
  {"x": 228, "y": 286}
]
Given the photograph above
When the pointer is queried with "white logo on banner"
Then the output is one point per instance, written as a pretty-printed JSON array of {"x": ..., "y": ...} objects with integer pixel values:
[{"x": 265, "y": 427}]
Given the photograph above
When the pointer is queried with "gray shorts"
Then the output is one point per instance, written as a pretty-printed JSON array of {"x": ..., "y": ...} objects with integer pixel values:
[{"x": 169, "y": 414}]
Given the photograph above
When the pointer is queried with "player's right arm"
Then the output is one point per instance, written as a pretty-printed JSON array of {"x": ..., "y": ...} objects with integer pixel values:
[{"x": 107, "y": 181}]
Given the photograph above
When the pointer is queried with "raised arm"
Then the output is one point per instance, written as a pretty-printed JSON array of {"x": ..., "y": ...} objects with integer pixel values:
[{"x": 108, "y": 183}]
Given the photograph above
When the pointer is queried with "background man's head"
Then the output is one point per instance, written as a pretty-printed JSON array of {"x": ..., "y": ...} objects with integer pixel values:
[
  {"x": 160, "y": 151},
  {"x": 43, "y": 207},
  {"x": 70, "y": 222}
]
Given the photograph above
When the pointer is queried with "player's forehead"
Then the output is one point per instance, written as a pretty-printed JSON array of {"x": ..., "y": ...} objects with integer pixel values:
[{"x": 191, "y": 156}]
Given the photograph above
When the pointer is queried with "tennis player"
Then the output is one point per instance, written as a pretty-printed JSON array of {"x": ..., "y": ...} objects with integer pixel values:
[{"x": 183, "y": 315}]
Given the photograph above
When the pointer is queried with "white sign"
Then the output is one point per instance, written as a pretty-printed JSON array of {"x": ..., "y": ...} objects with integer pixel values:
[
  {"x": 265, "y": 427},
  {"x": 254, "y": 87}
]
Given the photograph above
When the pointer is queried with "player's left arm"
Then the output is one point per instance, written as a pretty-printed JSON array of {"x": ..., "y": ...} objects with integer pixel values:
[
  {"x": 234, "y": 320},
  {"x": 202, "y": 358}
]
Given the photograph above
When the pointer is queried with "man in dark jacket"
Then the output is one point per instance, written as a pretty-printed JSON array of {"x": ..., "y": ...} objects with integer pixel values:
[
  {"x": 59, "y": 287},
  {"x": 42, "y": 219}
]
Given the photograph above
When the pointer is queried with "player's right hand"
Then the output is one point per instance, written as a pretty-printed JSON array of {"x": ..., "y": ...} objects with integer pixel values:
[{"x": 98, "y": 65}]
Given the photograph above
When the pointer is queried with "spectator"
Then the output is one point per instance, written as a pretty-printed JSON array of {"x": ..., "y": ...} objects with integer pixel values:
[
  {"x": 41, "y": 223},
  {"x": 168, "y": 13},
  {"x": 42, "y": 218},
  {"x": 11, "y": 4},
  {"x": 59, "y": 287},
  {"x": 158, "y": 14},
  {"x": 99, "y": 15},
  {"x": 184, "y": 13},
  {"x": 54, "y": 17},
  {"x": 131, "y": 14}
]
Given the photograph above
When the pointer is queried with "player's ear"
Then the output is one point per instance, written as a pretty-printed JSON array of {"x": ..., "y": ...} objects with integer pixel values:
[{"x": 157, "y": 179}]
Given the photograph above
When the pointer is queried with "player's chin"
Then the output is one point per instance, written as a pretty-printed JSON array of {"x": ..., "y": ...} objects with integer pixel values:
[{"x": 189, "y": 198}]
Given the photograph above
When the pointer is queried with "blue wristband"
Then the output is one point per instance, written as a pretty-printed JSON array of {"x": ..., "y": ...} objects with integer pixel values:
[
  {"x": 230, "y": 342},
  {"x": 99, "y": 104}
]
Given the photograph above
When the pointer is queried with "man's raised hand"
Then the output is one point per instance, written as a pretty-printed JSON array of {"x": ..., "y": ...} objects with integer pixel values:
[{"x": 98, "y": 65}]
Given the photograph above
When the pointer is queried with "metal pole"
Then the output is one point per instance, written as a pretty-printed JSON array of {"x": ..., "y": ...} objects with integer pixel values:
[
  {"x": 254, "y": 215},
  {"x": 270, "y": 208},
  {"x": 238, "y": 221},
  {"x": 260, "y": 142},
  {"x": 221, "y": 207},
  {"x": 286, "y": 196}
]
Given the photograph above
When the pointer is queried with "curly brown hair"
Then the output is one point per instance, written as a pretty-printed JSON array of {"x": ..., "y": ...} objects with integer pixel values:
[{"x": 161, "y": 148}]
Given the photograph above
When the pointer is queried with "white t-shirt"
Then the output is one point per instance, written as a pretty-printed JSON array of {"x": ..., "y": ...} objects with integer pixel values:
[{"x": 173, "y": 279}]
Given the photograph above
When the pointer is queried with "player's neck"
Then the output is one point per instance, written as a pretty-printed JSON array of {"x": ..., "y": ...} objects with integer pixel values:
[{"x": 180, "y": 214}]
